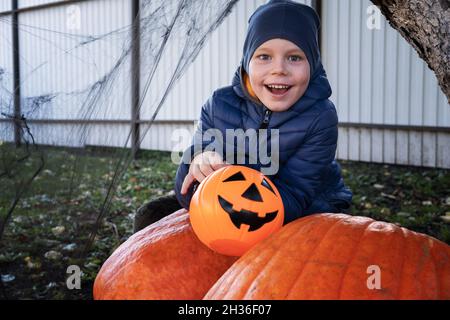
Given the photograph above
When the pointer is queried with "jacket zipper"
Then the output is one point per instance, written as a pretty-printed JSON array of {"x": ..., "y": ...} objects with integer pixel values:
[{"x": 265, "y": 122}]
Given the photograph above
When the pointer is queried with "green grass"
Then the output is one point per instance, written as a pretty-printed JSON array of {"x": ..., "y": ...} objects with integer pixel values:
[
  {"x": 59, "y": 209},
  {"x": 67, "y": 195},
  {"x": 415, "y": 198}
]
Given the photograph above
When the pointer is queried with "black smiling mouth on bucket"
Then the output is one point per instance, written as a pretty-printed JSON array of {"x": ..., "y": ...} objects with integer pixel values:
[{"x": 247, "y": 217}]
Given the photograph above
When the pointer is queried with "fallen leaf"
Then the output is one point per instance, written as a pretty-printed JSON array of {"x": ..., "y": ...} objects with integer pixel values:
[
  {"x": 51, "y": 285},
  {"x": 57, "y": 231},
  {"x": 70, "y": 247},
  {"x": 403, "y": 214},
  {"x": 170, "y": 193},
  {"x": 445, "y": 218},
  {"x": 31, "y": 264},
  {"x": 53, "y": 255},
  {"x": 8, "y": 277},
  {"x": 389, "y": 196}
]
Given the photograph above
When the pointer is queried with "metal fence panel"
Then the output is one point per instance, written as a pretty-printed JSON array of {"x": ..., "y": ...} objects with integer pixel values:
[{"x": 378, "y": 78}]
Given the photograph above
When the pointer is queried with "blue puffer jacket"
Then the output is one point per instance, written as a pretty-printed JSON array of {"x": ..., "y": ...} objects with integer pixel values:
[{"x": 309, "y": 179}]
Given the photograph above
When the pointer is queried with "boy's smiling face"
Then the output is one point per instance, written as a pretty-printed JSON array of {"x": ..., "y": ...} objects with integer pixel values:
[{"x": 282, "y": 64}]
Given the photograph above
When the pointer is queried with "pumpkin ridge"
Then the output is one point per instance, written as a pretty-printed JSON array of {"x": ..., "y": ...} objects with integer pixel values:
[
  {"x": 262, "y": 265},
  {"x": 420, "y": 267},
  {"x": 444, "y": 292},
  {"x": 354, "y": 252},
  {"x": 309, "y": 259},
  {"x": 278, "y": 251},
  {"x": 248, "y": 281},
  {"x": 408, "y": 247},
  {"x": 438, "y": 285},
  {"x": 400, "y": 282},
  {"x": 394, "y": 292},
  {"x": 231, "y": 277},
  {"x": 413, "y": 246},
  {"x": 402, "y": 276},
  {"x": 375, "y": 253},
  {"x": 240, "y": 271},
  {"x": 299, "y": 272},
  {"x": 431, "y": 258}
]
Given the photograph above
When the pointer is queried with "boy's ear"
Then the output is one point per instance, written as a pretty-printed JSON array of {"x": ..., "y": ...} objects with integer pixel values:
[{"x": 248, "y": 85}]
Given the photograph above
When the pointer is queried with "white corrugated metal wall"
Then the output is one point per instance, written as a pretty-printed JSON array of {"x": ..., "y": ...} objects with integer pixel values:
[
  {"x": 5, "y": 6},
  {"x": 377, "y": 78},
  {"x": 52, "y": 62},
  {"x": 32, "y": 3},
  {"x": 6, "y": 71}
]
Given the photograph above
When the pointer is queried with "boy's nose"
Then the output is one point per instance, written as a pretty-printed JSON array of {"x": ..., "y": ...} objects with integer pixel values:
[{"x": 279, "y": 67}]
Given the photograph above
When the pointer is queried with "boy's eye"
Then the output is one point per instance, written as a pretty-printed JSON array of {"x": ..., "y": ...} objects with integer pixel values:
[
  {"x": 263, "y": 56},
  {"x": 295, "y": 58}
]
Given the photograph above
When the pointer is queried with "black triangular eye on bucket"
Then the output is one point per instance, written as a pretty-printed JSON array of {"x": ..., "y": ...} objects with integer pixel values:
[
  {"x": 238, "y": 176},
  {"x": 252, "y": 193},
  {"x": 264, "y": 183}
]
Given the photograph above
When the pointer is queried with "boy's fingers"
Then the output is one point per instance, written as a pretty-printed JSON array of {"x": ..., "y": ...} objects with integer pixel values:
[
  {"x": 186, "y": 183},
  {"x": 205, "y": 169},
  {"x": 203, "y": 166},
  {"x": 218, "y": 165},
  {"x": 198, "y": 173},
  {"x": 216, "y": 162}
]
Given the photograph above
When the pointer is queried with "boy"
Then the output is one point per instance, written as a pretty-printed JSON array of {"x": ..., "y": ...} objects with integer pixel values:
[{"x": 280, "y": 86}]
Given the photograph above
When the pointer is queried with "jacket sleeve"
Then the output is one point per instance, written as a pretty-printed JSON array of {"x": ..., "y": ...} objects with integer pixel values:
[
  {"x": 299, "y": 179},
  {"x": 197, "y": 146}
]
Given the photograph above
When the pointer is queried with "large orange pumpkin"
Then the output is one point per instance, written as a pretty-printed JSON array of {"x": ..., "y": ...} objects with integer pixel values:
[
  {"x": 163, "y": 261},
  {"x": 234, "y": 208},
  {"x": 337, "y": 256}
]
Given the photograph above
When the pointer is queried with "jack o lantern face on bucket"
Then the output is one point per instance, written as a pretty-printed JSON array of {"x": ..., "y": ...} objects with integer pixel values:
[
  {"x": 234, "y": 208},
  {"x": 245, "y": 216}
]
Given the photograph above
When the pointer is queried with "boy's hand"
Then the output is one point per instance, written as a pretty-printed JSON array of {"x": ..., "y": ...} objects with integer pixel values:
[{"x": 202, "y": 165}]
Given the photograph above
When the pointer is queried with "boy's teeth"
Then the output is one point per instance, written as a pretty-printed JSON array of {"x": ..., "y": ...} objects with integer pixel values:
[{"x": 277, "y": 87}]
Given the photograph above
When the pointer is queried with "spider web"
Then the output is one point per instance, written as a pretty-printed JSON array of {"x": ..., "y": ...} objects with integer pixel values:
[{"x": 182, "y": 25}]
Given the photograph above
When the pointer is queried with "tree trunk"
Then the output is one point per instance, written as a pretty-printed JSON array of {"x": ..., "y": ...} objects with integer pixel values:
[{"x": 425, "y": 24}]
